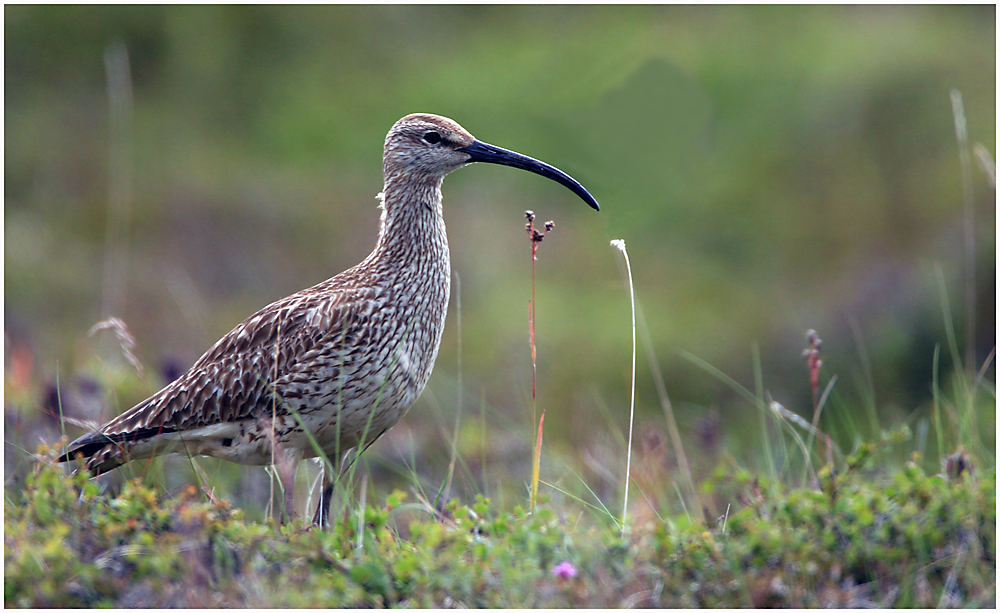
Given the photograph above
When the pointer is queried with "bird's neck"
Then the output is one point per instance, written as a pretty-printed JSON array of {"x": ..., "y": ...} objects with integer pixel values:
[{"x": 412, "y": 224}]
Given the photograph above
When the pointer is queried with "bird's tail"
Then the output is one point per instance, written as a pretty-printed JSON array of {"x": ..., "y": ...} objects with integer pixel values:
[{"x": 104, "y": 451}]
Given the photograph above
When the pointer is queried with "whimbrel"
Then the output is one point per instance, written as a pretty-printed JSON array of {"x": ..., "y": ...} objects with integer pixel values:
[{"x": 344, "y": 359}]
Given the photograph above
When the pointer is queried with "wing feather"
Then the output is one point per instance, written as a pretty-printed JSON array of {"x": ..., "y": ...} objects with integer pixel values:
[{"x": 233, "y": 379}]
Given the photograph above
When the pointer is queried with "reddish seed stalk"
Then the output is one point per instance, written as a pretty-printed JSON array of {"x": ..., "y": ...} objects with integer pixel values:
[
  {"x": 813, "y": 363},
  {"x": 535, "y": 237},
  {"x": 531, "y": 322}
]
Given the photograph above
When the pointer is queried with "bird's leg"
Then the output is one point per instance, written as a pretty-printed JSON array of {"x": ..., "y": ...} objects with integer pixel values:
[
  {"x": 286, "y": 461},
  {"x": 333, "y": 468},
  {"x": 321, "y": 518}
]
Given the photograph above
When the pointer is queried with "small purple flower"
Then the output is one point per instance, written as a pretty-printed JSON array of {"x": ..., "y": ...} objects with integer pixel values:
[{"x": 564, "y": 570}]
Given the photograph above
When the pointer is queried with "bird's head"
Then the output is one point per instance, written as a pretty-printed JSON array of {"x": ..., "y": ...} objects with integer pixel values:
[{"x": 432, "y": 146}]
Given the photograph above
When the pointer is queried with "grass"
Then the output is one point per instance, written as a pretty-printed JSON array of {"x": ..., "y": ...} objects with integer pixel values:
[
  {"x": 871, "y": 522},
  {"x": 865, "y": 537}
]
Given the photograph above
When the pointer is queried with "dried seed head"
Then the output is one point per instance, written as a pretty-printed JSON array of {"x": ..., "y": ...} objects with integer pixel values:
[
  {"x": 813, "y": 339},
  {"x": 958, "y": 463},
  {"x": 815, "y": 345}
]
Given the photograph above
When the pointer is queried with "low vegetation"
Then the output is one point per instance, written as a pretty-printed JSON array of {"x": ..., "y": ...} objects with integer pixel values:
[{"x": 862, "y": 536}]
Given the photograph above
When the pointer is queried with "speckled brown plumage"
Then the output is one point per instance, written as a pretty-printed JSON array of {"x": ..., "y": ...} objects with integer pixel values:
[{"x": 349, "y": 355}]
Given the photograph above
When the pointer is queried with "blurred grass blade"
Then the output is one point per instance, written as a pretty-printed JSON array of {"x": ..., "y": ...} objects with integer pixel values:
[
  {"x": 968, "y": 226},
  {"x": 536, "y": 461}
]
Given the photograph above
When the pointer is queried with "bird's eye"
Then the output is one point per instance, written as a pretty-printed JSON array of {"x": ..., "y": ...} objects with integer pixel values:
[{"x": 432, "y": 138}]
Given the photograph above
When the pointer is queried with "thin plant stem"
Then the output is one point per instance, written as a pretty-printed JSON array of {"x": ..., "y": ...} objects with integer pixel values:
[
  {"x": 274, "y": 413},
  {"x": 360, "y": 543},
  {"x": 600, "y": 509},
  {"x": 668, "y": 410},
  {"x": 986, "y": 163},
  {"x": 446, "y": 486},
  {"x": 620, "y": 245},
  {"x": 868, "y": 389},
  {"x": 62, "y": 420},
  {"x": 936, "y": 395},
  {"x": 458, "y": 326},
  {"x": 814, "y": 428},
  {"x": 535, "y": 238},
  {"x": 536, "y": 460},
  {"x": 482, "y": 435},
  {"x": 968, "y": 226},
  {"x": 536, "y": 455}
]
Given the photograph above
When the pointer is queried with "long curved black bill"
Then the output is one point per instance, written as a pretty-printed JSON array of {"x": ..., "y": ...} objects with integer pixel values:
[{"x": 484, "y": 152}]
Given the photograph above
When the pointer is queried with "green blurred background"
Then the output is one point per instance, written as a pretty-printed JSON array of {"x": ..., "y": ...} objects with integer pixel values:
[{"x": 771, "y": 169}]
